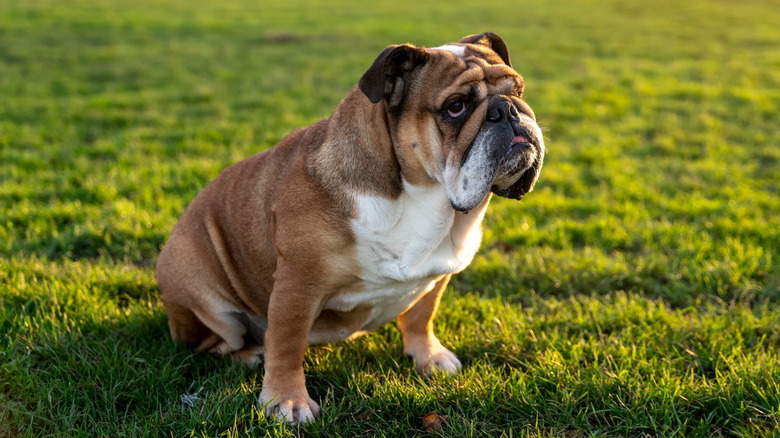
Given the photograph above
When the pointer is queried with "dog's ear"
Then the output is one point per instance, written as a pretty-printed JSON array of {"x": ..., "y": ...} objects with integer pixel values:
[
  {"x": 390, "y": 73},
  {"x": 492, "y": 41}
]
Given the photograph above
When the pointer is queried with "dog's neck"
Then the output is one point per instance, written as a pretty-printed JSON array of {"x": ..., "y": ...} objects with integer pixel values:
[{"x": 353, "y": 159}]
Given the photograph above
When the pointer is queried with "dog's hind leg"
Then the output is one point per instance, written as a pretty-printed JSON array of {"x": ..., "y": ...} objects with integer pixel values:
[
  {"x": 219, "y": 332},
  {"x": 186, "y": 328},
  {"x": 251, "y": 354},
  {"x": 236, "y": 334}
]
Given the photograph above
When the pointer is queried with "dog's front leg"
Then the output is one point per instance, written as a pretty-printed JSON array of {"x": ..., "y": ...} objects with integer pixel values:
[
  {"x": 416, "y": 325},
  {"x": 291, "y": 312}
]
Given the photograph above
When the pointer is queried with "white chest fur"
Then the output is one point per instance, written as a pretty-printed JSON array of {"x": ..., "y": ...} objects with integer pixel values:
[{"x": 404, "y": 245}]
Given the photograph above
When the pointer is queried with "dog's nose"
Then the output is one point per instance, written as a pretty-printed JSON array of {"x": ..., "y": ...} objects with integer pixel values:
[{"x": 500, "y": 109}]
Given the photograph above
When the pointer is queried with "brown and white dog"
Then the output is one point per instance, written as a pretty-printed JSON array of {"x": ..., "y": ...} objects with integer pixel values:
[{"x": 356, "y": 220}]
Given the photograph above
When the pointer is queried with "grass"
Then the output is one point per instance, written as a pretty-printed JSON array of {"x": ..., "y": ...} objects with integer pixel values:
[{"x": 634, "y": 293}]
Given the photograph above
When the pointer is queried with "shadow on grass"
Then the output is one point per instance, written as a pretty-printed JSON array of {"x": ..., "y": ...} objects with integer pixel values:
[
  {"x": 74, "y": 244},
  {"x": 114, "y": 377},
  {"x": 122, "y": 375}
]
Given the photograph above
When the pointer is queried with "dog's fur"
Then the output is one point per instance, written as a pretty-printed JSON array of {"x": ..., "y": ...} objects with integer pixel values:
[{"x": 356, "y": 220}]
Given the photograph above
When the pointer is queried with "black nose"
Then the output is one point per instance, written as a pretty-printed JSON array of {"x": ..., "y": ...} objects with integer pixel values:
[{"x": 501, "y": 109}]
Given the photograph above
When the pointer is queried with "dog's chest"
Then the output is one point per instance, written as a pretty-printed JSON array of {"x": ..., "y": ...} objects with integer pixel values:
[{"x": 404, "y": 245}]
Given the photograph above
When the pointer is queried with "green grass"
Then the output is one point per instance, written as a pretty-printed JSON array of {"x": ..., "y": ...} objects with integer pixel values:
[{"x": 635, "y": 292}]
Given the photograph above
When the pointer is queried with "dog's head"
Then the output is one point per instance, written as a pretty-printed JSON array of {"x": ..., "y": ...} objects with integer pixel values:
[{"x": 457, "y": 116}]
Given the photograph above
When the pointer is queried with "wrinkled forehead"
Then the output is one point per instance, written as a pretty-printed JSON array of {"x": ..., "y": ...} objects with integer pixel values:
[{"x": 469, "y": 65}]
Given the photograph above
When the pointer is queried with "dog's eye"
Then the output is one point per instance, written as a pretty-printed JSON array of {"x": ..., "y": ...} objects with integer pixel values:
[{"x": 455, "y": 109}]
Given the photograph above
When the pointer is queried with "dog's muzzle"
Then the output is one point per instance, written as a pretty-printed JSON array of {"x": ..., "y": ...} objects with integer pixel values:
[
  {"x": 505, "y": 157},
  {"x": 518, "y": 146}
]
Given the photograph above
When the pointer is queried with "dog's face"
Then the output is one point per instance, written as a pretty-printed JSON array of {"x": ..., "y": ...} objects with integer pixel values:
[{"x": 457, "y": 117}]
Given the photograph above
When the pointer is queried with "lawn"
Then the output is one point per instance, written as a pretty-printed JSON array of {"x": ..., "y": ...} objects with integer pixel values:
[{"x": 635, "y": 292}]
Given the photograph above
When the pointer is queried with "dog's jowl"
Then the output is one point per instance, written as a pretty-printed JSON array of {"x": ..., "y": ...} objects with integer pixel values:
[{"x": 356, "y": 220}]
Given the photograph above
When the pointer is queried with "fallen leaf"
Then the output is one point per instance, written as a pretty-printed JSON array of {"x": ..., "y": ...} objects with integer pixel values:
[{"x": 433, "y": 421}]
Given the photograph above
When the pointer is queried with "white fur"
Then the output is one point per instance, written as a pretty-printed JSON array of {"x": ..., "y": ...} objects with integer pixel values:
[
  {"x": 404, "y": 245},
  {"x": 468, "y": 183},
  {"x": 458, "y": 50}
]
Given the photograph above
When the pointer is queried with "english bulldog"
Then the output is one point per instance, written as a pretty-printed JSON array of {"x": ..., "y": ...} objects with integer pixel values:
[{"x": 354, "y": 221}]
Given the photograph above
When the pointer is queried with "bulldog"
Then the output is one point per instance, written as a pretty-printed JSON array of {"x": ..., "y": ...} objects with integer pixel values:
[{"x": 354, "y": 221}]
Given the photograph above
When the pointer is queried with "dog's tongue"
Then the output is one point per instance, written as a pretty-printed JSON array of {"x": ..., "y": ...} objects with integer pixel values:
[{"x": 520, "y": 139}]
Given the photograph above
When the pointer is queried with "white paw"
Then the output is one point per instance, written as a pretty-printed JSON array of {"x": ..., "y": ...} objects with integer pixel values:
[
  {"x": 293, "y": 408},
  {"x": 435, "y": 360}
]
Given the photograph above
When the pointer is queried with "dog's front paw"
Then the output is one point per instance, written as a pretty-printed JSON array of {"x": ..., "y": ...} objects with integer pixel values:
[
  {"x": 433, "y": 358},
  {"x": 294, "y": 407}
]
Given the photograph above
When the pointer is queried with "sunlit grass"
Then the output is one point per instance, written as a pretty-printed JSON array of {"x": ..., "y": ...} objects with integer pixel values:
[{"x": 633, "y": 293}]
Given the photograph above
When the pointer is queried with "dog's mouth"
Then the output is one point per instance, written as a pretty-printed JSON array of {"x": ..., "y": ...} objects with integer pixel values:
[
  {"x": 518, "y": 169},
  {"x": 517, "y": 175},
  {"x": 520, "y": 140}
]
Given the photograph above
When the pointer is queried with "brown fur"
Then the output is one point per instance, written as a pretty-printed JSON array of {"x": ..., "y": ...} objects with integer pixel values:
[{"x": 270, "y": 237}]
